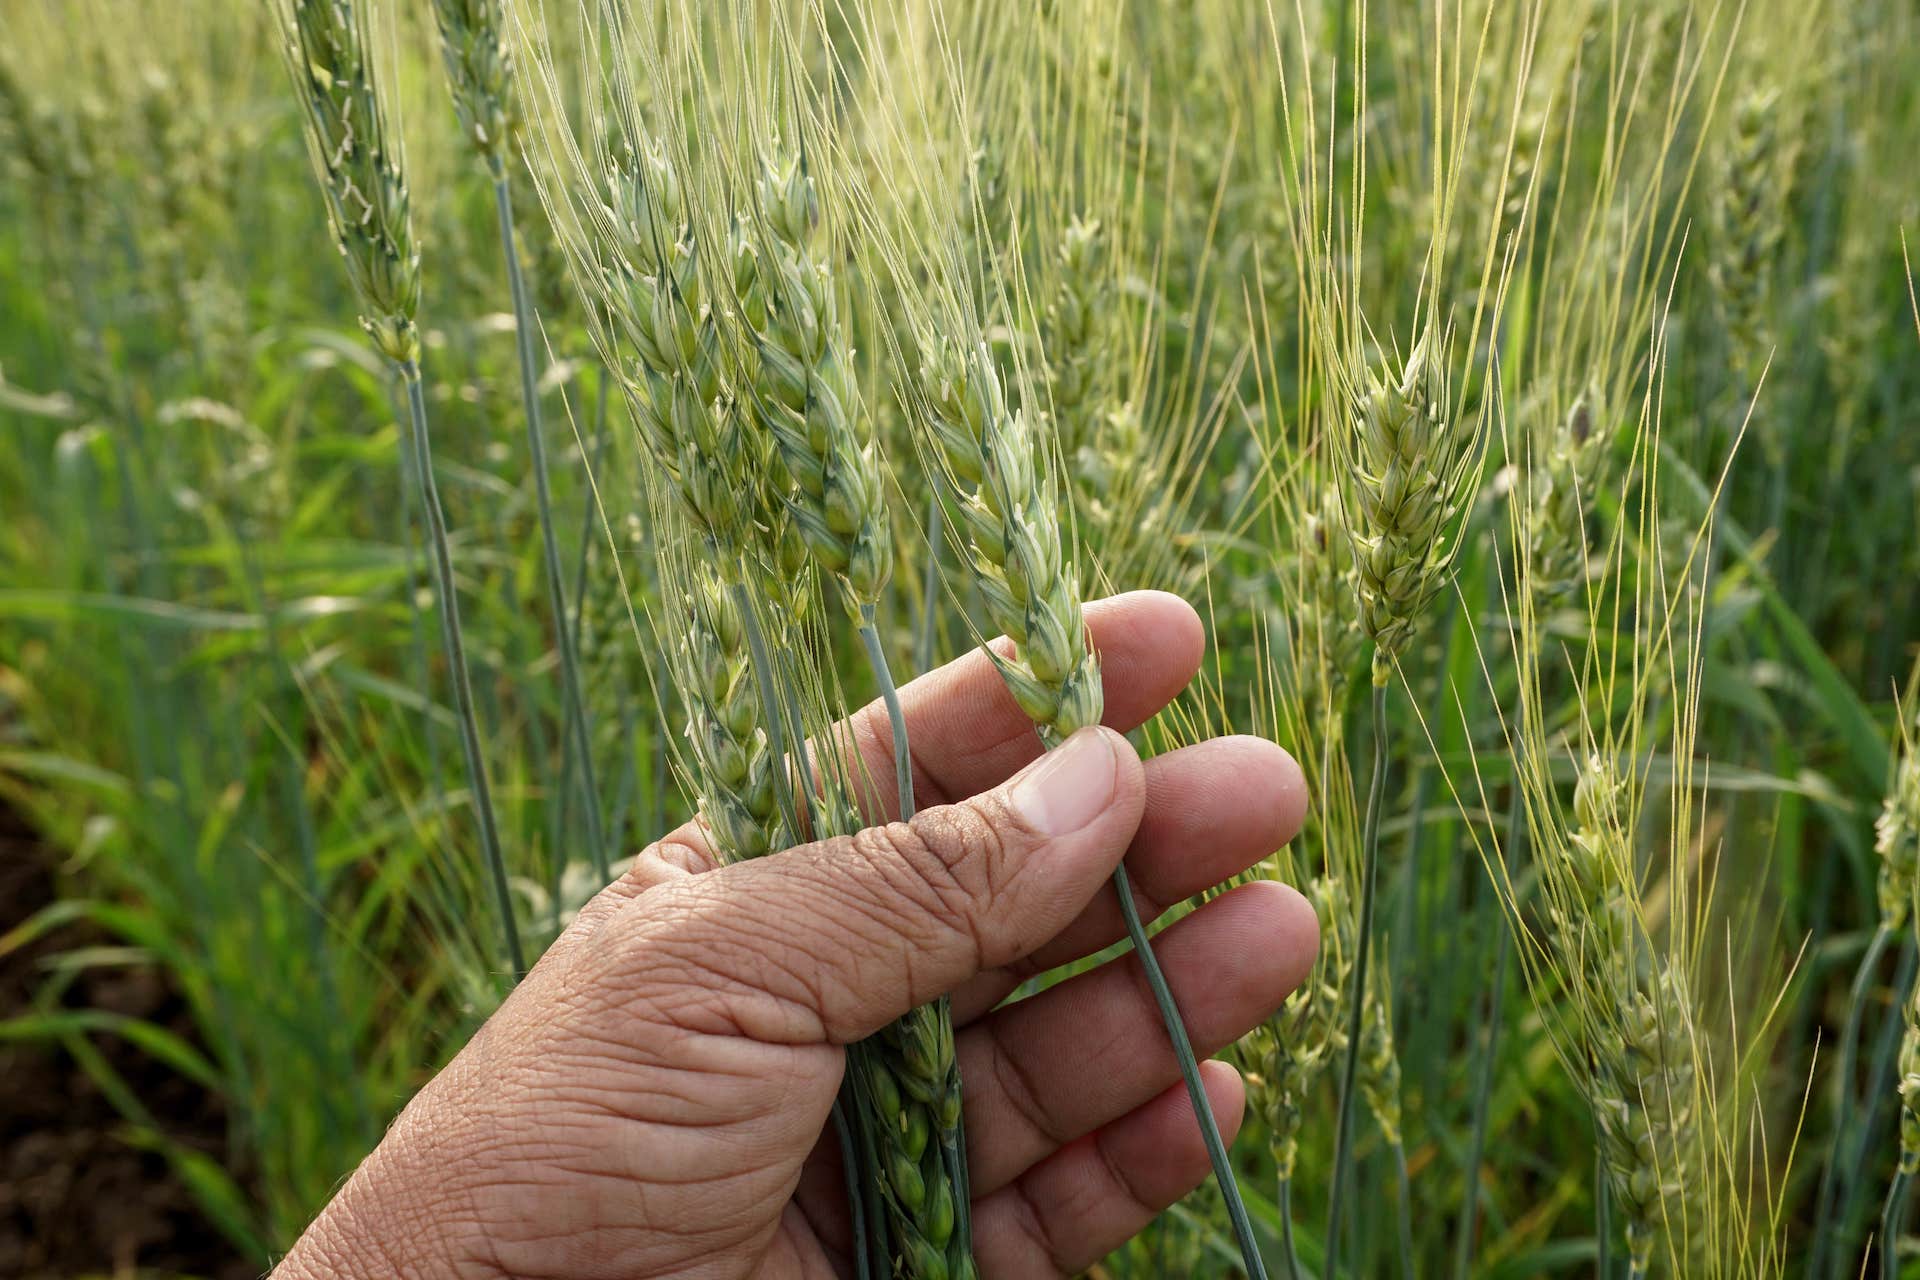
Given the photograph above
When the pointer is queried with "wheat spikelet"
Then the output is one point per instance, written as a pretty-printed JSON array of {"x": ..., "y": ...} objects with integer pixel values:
[
  {"x": 1322, "y": 603},
  {"x": 1074, "y": 333},
  {"x": 829, "y": 500},
  {"x": 359, "y": 166},
  {"x": 909, "y": 1083},
  {"x": 1291, "y": 1050},
  {"x": 1643, "y": 1104},
  {"x": 699, "y": 436},
  {"x": 1639, "y": 1021},
  {"x": 1379, "y": 1062},
  {"x": 1897, "y": 839}
]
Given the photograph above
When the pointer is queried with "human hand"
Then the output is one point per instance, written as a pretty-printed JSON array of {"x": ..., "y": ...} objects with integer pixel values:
[{"x": 651, "y": 1100}]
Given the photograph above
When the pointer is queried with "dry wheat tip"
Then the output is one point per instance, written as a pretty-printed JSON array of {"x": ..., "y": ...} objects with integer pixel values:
[
  {"x": 1005, "y": 505},
  {"x": 806, "y": 398},
  {"x": 473, "y": 44},
  {"x": 1406, "y": 479},
  {"x": 359, "y": 166}
]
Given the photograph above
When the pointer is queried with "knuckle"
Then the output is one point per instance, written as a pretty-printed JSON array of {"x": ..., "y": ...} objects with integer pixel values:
[
  {"x": 1044, "y": 1252},
  {"x": 1018, "y": 1090}
]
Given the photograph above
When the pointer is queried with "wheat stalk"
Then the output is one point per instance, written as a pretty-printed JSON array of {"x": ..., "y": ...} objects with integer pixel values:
[
  {"x": 479, "y": 68},
  {"x": 362, "y": 178}
]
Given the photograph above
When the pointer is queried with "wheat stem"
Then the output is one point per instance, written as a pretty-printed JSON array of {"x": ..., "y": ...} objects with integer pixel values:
[
  {"x": 1831, "y": 1177},
  {"x": 576, "y": 712},
  {"x": 457, "y": 666},
  {"x": 1406, "y": 1210},
  {"x": 1284, "y": 1201},
  {"x": 1190, "y": 1072},
  {"x": 850, "y": 1171},
  {"x": 1893, "y": 1224},
  {"x": 1370, "y": 855},
  {"x": 1483, "y": 1074},
  {"x": 1602, "y": 1213}
]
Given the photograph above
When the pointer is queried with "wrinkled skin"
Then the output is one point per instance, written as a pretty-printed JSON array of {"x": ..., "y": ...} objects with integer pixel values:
[{"x": 651, "y": 1101}]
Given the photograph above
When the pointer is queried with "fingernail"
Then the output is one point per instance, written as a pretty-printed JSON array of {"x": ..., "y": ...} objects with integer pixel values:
[{"x": 1068, "y": 787}]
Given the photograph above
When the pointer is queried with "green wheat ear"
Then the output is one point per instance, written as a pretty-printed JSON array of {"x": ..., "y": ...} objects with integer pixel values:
[
  {"x": 1006, "y": 508},
  {"x": 1409, "y": 471},
  {"x": 360, "y": 167}
]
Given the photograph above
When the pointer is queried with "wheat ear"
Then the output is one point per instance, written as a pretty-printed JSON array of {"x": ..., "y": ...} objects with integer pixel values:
[
  {"x": 479, "y": 66},
  {"x": 906, "y": 1076},
  {"x": 363, "y": 180},
  {"x": 1004, "y": 499},
  {"x": 1406, "y": 467}
]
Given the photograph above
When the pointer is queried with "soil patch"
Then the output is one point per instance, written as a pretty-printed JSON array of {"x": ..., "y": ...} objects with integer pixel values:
[{"x": 75, "y": 1198}]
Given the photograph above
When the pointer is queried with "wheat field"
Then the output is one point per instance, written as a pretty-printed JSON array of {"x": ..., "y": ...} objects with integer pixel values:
[{"x": 446, "y": 444}]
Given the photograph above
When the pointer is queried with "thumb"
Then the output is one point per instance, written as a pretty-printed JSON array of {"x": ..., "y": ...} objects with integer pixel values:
[{"x": 832, "y": 940}]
